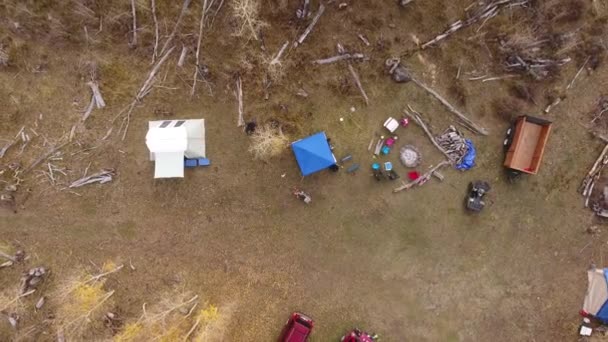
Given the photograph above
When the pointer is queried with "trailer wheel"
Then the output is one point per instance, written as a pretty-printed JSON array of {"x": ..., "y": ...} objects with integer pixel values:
[
  {"x": 513, "y": 175},
  {"x": 508, "y": 138}
]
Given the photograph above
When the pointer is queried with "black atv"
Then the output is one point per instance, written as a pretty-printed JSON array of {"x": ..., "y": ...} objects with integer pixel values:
[{"x": 474, "y": 200}]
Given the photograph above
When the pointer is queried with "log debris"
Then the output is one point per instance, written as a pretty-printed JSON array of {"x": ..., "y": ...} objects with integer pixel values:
[
  {"x": 134, "y": 15},
  {"x": 175, "y": 27},
  {"x": 341, "y": 57},
  {"x": 277, "y": 57},
  {"x": 464, "y": 119},
  {"x": 239, "y": 97},
  {"x": 44, "y": 157},
  {"x": 363, "y": 39},
  {"x": 99, "y": 101},
  {"x": 393, "y": 65},
  {"x": 156, "y": 31},
  {"x": 599, "y": 164},
  {"x": 11, "y": 143},
  {"x": 484, "y": 13},
  {"x": 145, "y": 89},
  {"x": 314, "y": 21},
  {"x": 101, "y": 177},
  {"x": 182, "y": 56},
  {"x": 355, "y": 76},
  {"x": 40, "y": 303},
  {"x": 201, "y": 26},
  {"x": 577, "y": 74}
]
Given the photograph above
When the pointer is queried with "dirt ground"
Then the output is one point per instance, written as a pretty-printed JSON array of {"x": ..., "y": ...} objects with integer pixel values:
[{"x": 409, "y": 266}]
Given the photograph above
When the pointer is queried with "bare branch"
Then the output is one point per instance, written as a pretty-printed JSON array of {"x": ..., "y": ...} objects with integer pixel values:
[
  {"x": 153, "y": 8},
  {"x": 358, "y": 82},
  {"x": 134, "y": 14},
  {"x": 277, "y": 57},
  {"x": 300, "y": 40},
  {"x": 341, "y": 57},
  {"x": 467, "y": 122},
  {"x": 176, "y": 26},
  {"x": 239, "y": 96},
  {"x": 198, "y": 46}
]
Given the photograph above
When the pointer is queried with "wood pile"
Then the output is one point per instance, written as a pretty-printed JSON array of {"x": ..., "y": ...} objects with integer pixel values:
[{"x": 452, "y": 141}]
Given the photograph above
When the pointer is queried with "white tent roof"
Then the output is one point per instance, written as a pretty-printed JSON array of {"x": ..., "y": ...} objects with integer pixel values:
[
  {"x": 169, "y": 141},
  {"x": 174, "y": 139},
  {"x": 195, "y": 132}
]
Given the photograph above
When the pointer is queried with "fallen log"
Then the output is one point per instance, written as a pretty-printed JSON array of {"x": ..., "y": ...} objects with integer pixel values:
[
  {"x": 239, "y": 97},
  {"x": 134, "y": 15},
  {"x": 99, "y": 101},
  {"x": 182, "y": 57},
  {"x": 363, "y": 39},
  {"x": 11, "y": 143},
  {"x": 314, "y": 21},
  {"x": 277, "y": 57},
  {"x": 198, "y": 47},
  {"x": 341, "y": 57},
  {"x": 466, "y": 121},
  {"x": 487, "y": 12},
  {"x": 358, "y": 83}
]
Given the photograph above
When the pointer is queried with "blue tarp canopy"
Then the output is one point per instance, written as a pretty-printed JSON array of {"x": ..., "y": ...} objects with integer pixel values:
[{"x": 313, "y": 153}]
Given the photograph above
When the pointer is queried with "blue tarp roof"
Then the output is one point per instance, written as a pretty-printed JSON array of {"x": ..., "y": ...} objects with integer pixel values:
[{"x": 313, "y": 153}]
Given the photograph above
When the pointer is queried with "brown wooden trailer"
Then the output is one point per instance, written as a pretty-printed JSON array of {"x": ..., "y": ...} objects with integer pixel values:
[{"x": 525, "y": 144}]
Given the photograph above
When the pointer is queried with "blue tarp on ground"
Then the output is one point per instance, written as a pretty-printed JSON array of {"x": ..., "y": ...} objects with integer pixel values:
[
  {"x": 313, "y": 153},
  {"x": 468, "y": 161}
]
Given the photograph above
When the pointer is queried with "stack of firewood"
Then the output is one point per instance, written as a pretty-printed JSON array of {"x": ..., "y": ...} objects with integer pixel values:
[{"x": 452, "y": 141}]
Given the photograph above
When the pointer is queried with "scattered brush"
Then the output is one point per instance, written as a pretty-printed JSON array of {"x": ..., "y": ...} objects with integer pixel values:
[
  {"x": 83, "y": 301},
  {"x": 267, "y": 142},
  {"x": 213, "y": 324},
  {"x": 539, "y": 41},
  {"x": 563, "y": 11},
  {"x": 247, "y": 16},
  {"x": 11, "y": 300},
  {"x": 177, "y": 317},
  {"x": 170, "y": 320}
]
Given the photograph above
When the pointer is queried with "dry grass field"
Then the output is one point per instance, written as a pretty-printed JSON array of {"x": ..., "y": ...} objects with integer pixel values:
[{"x": 227, "y": 253}]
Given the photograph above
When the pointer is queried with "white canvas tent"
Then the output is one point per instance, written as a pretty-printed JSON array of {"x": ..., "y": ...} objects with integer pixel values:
[{"x": 169, "y": 141}]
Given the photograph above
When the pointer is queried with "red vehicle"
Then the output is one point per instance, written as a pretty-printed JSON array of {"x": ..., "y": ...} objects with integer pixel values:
[
  {"x": 297, "y": 328},
  {"x": 357, "y": 335}
]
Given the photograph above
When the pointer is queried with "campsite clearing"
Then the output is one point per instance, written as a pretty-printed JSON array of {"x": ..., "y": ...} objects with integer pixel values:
[{"x": 412, "y": 265}]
